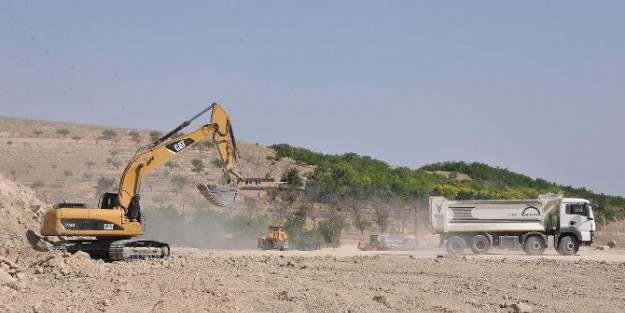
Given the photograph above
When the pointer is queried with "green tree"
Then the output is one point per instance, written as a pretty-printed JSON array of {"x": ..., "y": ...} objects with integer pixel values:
[
  {"x": 359, "y": 219},
  {"x": 218, "y": 163},
  {"x": 292, "y": 178},
  {"x": 331, "y": 231},
  {"x": 109, "y": 134},
  {"x": 252, "y": 206},
  {"x": 382, "y": 213},
  {"x": 198, "y": 165},
  {"x": 179, "y": 181},
  {"x": 171, "y": 165},
  {"x": 272, "y": 193},
  {"x": 294, "y": 182},
  {"x": 155, "y": 135},
  {"x": 135, "y": 136},
  {"x": 37, "y": 132}
]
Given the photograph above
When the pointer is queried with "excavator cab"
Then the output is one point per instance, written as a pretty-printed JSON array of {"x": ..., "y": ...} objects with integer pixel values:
[{"x": 109, "y": 200}]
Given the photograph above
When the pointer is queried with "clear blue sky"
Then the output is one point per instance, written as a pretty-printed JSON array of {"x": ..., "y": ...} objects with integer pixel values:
[{"x": 533, "y": 86}]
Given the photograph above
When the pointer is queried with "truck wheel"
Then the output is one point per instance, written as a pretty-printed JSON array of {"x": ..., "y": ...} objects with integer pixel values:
[
  {"x": 568, "y": 246},
  {"x": 455, "y": 245},
  {"x": 534, "y": 245},
  {"x": 480, "y": 244}
]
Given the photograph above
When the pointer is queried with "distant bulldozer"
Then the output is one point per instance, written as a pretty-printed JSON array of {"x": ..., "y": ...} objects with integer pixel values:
[{"x": 276, "y": 238}]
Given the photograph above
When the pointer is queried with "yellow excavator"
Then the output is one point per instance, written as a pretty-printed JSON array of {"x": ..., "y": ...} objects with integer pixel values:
[{"x": 112, "y": 226}]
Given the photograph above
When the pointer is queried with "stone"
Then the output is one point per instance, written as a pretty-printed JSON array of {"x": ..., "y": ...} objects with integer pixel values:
[{"x": 521, "y": 308}]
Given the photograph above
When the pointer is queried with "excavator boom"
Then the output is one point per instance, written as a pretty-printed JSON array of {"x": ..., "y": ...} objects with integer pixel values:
[{"x": 165, "y": 148}]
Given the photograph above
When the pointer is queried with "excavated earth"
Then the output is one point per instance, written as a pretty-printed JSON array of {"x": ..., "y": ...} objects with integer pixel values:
[{"x": 331, "y": 280}]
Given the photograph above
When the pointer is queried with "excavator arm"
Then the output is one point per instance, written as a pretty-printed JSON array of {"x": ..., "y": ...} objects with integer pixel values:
[{"x": 166, "y": 148}]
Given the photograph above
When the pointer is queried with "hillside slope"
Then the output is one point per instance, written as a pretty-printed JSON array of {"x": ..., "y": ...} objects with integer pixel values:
[{"x": 64, "y": 161}]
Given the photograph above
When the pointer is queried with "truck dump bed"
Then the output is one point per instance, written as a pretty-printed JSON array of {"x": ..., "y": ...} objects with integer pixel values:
[{"x": 491, "y": 215}]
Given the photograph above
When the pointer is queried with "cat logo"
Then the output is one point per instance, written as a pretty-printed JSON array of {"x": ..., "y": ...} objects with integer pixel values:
[
  {"x": 108, "y": 226},
  {"x": 179, "y": 145}
]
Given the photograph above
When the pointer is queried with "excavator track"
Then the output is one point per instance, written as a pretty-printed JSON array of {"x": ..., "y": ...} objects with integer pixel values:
[
  {"x": 118, "y": 250},
  {"x": 138, "y": 249}
]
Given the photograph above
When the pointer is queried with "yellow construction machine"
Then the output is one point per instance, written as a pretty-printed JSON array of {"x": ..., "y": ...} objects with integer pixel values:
[
  {"x": 108, "y": 231},
  {"x": 277, "y": 238}
]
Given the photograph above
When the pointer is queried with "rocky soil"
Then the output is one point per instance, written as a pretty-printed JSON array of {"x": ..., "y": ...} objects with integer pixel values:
[{"x": 331, "y": 280}]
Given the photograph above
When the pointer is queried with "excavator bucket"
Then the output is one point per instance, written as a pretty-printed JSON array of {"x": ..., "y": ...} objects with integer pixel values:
[{"x": 218, "y": 195}]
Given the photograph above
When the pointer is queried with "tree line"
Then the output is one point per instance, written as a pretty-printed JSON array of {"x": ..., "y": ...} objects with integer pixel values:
[{"x": 350, "y": 175}]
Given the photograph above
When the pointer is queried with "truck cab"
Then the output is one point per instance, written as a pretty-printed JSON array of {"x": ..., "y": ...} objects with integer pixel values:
[{"x": 576, "y": 217}]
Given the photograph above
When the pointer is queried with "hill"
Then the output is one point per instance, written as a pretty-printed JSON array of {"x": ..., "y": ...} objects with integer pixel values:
[{"x": 351, "y": 174}]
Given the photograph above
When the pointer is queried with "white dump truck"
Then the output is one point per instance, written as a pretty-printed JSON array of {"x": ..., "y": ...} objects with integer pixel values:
[{"x": 549, "y": 221}]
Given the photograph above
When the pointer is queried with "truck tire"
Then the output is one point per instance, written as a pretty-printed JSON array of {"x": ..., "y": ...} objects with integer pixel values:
[
  {"x": 568, "y": 245},
  {"x": 455, "y": 245},
  {"x": 534, "y": 245},
  {"x": 479, "y": 244}
]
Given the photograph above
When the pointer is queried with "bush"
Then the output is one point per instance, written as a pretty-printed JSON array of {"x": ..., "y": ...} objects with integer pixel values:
[
  {"x": 198, "y": 165},
  {"x": 109, "y": 134},
  {"x": 62, "y": 131},
  {"x": 330, "y": 232}
]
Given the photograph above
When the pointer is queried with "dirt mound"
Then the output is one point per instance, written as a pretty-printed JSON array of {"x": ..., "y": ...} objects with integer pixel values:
[{"x": 20, "y": 215}]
